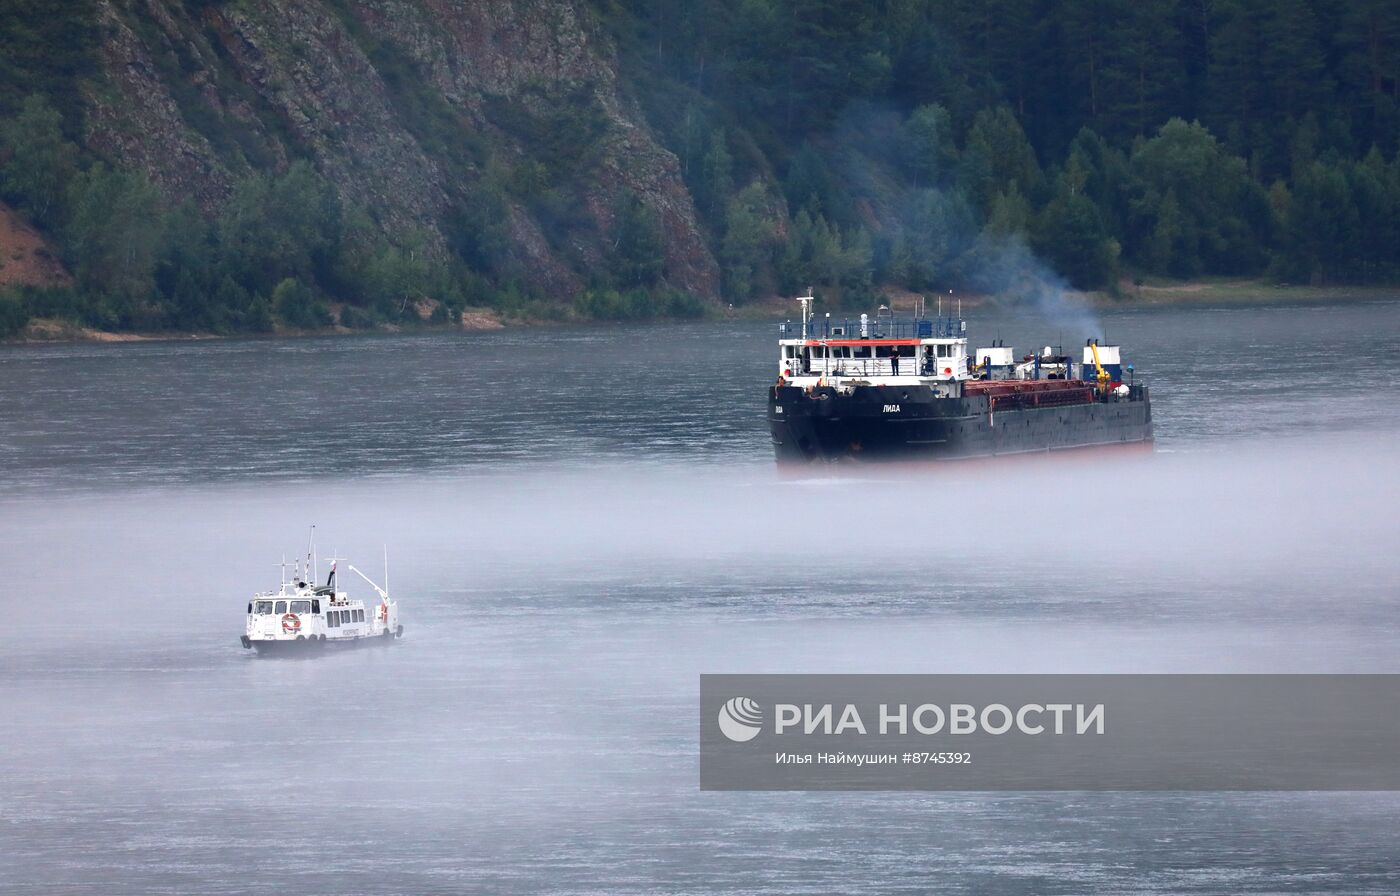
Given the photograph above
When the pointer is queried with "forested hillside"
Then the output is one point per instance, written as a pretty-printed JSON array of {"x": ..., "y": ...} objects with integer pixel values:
[{"x": 245, "y": 165}]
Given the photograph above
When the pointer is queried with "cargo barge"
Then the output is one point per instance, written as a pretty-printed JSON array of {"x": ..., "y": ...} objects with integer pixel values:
[{"x": 880, "y": 389}]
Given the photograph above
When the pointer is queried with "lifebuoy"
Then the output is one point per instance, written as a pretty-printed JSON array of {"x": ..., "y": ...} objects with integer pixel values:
[{"x": 291, "y": 623}]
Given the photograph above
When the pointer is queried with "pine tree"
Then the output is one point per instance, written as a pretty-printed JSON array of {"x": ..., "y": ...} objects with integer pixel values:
[{"x": 997, "y": 155}]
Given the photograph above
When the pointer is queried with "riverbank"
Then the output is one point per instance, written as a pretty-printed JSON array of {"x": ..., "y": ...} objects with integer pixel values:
[
  {"x": 1147, "y": 293},
  {"x": 43, "y": 330},
  {"x": 1236, "y": 291}
]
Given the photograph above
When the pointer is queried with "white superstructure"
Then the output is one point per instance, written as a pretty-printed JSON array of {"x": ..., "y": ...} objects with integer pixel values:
[{"x": 880, "y": 350}]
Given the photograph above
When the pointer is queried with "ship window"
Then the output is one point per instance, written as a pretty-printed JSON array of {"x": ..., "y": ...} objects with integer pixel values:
[
  {"x": 263, "y": 607},
  {"x": 863, "y": 351},
  {"x": 359, "y": 615},
  {"x": 250, "y": 608},
  {"x": 315, "y": 606},
  {"x": 281, "y": 607},
  {"x": 335, "y": 618},
  {"x": 301, "y": 606}
]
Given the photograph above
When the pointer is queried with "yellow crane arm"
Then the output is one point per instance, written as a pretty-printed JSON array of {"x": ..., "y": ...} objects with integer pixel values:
[{"x": 1102, "y": 374}]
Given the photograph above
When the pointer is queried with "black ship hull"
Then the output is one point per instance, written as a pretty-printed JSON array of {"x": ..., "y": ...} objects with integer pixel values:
[{"x": 874, "y": 424}]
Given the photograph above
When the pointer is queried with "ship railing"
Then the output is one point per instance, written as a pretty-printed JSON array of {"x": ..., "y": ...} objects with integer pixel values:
[
  {"x": 876, "y": 328},
  {"x": 867, "y": 367},
  {"x": 1135, "y": 393}
]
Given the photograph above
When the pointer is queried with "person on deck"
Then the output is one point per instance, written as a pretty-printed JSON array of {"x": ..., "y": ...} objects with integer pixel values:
[{"x": 894, "y": 359}]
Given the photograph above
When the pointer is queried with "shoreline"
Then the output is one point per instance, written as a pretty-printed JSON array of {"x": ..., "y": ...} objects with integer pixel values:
[
  {"x": 1238, "y": 292},
  {"x": 1235, "y": 291}
]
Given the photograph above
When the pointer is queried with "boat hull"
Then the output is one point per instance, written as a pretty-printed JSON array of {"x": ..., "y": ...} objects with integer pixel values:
[
  {"x": 901, "y": 424},
  {"x": 312, "y": 646}
]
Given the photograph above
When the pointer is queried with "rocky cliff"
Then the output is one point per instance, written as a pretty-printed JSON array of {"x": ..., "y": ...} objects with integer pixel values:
[{"x": 423, "y": 114}]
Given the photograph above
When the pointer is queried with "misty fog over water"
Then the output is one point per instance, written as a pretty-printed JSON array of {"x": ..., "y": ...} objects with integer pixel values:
[{"x": 580, "y": 521}]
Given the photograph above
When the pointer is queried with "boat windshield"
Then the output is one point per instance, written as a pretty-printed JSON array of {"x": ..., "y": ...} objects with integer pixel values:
[
  {"x": 262, "y": 607},
  {"x": 281, "y": 607},
  {"x": 301, "y": 606}
]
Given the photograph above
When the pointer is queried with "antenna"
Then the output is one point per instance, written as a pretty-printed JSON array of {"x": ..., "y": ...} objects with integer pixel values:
[
  {"x": 315, "y": 570},
  {"x": 386, "y": 568},
  {"x": 806, "y": 303}
]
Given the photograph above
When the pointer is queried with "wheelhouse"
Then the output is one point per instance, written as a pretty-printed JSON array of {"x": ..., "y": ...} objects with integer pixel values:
[
  {"x": 267, "y": 606},
  {"x": 917, "y": 349}
]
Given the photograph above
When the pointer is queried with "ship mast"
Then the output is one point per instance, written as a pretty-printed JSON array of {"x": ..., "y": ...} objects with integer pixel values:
[{"x": 806, "y": 302}]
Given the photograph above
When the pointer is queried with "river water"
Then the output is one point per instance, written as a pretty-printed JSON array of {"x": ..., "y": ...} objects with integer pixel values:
[{"x": 581, "y": 521}]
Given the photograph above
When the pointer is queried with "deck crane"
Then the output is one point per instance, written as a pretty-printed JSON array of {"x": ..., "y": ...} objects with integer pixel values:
[{"x": 1101, "y": 377}]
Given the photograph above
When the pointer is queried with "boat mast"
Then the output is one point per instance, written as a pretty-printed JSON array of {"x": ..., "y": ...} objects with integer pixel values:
[{"x": 315, "y": 569}]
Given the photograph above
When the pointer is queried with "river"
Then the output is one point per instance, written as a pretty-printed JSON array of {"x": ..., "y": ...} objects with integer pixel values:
[{"x": 580, "y": 521}]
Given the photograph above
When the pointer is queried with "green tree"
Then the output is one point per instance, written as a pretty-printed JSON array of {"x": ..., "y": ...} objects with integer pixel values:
[
  {"x": 1193, "y": 206},
  {"x": 298, "y": 306},
  {"x": 1010, "y": 214},
  {"x": 809, "y": 185},
  {"x": 936, "y": 233},
  {"x": 638, "y": 255},
  {"x": 279, "y": 227},
  {"x": 116, "y": 226},
  {"x": 1375, "y": 192},
  {"x": 926, "y": 147},
  {"x": 1140, "y": 70},
  {"x": 998, "y": 155},
  {"x": 716, "y": 181},
  {"x": 40, "y": 163},
  {"x": 14, "y": 313},
  {"x": 1323, "y": 225},
  {"x": 748, "y": 242},
  {"x": 1070, "y": 234}
]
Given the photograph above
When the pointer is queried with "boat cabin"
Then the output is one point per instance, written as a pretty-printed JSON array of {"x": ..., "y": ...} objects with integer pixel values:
[{"x": 885, "y": 347}]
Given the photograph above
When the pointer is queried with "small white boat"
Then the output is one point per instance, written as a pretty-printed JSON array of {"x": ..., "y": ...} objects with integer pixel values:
[{"x": 302, "y": 617}]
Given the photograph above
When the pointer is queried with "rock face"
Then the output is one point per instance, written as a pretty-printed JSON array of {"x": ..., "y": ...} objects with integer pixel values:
[
  {"x": 411, "y": 108},
  {"x": 26, "y": 259}
]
